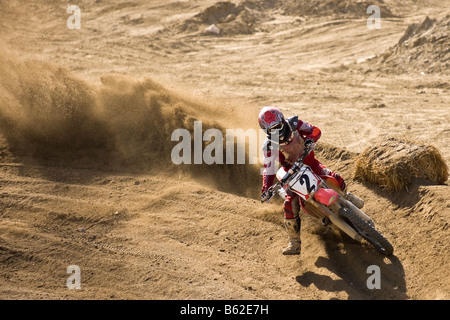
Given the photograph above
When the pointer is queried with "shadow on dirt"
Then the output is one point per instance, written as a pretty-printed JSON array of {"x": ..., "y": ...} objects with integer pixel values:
[
  {"x": 403, "y": 198},
  {"x": 357, "y": 268}
]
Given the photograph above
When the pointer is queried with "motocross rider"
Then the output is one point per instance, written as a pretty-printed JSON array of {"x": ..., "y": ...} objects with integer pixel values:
[{"x": 293, "y": 136}]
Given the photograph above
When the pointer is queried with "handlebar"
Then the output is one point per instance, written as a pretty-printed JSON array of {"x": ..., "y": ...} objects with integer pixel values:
[
  {"x": 297, "y": 164},
  {"x": 268, "y": 195}
]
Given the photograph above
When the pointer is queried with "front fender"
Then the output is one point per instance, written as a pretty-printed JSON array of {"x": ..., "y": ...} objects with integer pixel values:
[
  {"x": 332, "y": 183},
  {"x": 326, "y": 196}
]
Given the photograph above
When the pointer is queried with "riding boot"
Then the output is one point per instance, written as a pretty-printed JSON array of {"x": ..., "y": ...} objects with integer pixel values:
[{"x": 293, "y": 231}]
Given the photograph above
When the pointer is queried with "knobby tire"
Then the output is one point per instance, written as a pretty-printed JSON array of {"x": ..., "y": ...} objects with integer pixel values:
[{"x": 368, "y": 232}]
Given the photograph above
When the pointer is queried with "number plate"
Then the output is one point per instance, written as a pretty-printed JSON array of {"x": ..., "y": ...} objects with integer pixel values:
[{"x": 304, "y": 182}]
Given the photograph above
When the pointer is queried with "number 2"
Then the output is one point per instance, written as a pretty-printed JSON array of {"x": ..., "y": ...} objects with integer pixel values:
[{"x": 305, "y": 179}]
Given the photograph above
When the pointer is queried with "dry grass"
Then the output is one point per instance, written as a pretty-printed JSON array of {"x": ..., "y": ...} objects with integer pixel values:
[{"x": 393, "y": 163}]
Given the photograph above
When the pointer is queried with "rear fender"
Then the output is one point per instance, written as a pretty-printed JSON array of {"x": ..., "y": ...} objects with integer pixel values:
[{"x": 326, "y": 196}]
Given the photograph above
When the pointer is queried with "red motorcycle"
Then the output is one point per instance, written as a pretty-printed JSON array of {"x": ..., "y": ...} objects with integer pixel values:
[{"x": 323, "y": 199}]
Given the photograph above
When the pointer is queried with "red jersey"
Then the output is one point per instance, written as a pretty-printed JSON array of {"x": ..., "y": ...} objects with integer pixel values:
[{"x": 273, "y": 153}]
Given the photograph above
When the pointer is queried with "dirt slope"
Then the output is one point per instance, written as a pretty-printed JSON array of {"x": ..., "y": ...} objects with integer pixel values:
[
  {"x": 423, "y": 46},
  {"x": 87, "y": 179}
]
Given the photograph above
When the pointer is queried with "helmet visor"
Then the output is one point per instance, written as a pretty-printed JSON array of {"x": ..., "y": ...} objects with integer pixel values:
[{"x": 276, "y": 128}]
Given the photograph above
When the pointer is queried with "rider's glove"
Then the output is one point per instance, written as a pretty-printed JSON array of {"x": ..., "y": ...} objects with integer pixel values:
[
  {"x": 309, "y": 143},
  {"x": 265, "y": 195}
]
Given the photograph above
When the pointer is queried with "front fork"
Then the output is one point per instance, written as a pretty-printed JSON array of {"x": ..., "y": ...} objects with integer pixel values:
[
  {"x": 346, "y": 203},
  {"x": 324, "y": 212}
]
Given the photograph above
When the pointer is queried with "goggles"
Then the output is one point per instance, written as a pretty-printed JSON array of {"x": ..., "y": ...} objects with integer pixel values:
[
  {"x": 279, "y": 128},
  {"x": 276, "y": 128}
]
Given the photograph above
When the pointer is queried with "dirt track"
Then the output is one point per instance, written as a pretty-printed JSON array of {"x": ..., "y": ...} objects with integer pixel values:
[{"x": 140, "y": 227}]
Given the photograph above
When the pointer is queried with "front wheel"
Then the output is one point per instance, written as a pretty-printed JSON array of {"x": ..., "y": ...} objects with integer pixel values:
[{"x": 367, "y": 231}]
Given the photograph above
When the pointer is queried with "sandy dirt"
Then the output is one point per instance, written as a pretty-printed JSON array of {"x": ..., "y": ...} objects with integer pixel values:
[{"x": 86, "y": 176}]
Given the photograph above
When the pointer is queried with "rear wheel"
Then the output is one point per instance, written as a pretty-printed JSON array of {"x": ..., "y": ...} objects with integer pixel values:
[{"x": 367, "y": 231}]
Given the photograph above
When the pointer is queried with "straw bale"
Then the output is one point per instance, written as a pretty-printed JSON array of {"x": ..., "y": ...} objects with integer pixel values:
[{"x": 395, "y": 161}]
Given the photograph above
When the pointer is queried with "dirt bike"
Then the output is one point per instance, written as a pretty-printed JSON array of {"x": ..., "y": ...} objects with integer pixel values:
[{"x": 324, "y": 199}]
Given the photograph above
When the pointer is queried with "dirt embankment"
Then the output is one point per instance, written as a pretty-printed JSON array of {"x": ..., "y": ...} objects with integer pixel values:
[
  {"x": 422, "y": 48},
  {"x": 248, "y": 16}
]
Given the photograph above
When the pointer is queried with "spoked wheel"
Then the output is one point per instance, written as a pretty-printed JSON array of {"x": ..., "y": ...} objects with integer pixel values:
[{"x": 368, "y": 232}]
